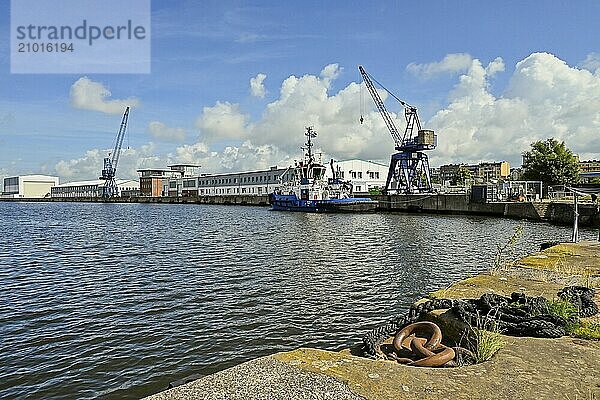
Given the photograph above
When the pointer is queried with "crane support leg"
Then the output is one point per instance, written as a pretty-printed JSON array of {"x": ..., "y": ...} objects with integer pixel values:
[
  {"x": 410, "y": 173},
  {"x": 391, "y": 174}
]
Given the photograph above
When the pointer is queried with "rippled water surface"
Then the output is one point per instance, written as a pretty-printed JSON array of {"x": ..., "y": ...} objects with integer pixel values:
[{"x": 118, "y": 300}]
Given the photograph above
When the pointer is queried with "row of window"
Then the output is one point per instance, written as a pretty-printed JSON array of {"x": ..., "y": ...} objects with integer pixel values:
[
  {"x": 11, "y": 181},
  {"x": 359, "y": 174},
  {"x": 67, "y": 189},
  {"x": 244, "y": 179},
  {"x": 236, "y": 190},
  {"x": 81, "y": 191},
  {"x": 191, "y": 183}
]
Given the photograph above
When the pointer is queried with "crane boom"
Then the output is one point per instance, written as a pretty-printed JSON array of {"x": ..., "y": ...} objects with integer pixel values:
[
  {"x": 118, "y": 145},
  {"x": 389, "y": 122},
  {"x": 109, "y": 171}
]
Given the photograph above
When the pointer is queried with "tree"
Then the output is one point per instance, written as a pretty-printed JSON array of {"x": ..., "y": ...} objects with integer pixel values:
[
  {"x": 551, "y": 162},
  {"x": 462, "y": 175}
]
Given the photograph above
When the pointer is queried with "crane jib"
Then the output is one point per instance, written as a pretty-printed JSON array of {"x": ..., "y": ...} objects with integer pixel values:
[{"x": 111, "y": 162}]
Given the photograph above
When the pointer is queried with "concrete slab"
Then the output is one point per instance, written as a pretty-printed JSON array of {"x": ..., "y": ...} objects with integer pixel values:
[
  {"x": 503, "y": 284},
  {"x": 527, "y": 368},
  {"x": 264, "y": 378},
  {"x": 581, "y": 258}
]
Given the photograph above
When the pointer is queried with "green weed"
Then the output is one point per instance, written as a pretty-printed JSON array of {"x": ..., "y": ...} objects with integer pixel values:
[
  {"x": 562, "y": 308},
  {"x": 584, "y": 330},
  {"x": 487, "y": 343}
]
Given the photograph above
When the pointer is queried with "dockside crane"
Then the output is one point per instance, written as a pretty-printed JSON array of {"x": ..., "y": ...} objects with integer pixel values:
[
  {"x": 409, "y": 167},
  {"x": 109, "y": 170}
]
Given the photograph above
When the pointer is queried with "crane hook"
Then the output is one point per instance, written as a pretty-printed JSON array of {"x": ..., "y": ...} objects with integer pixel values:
[{"x": 361, "y": 120}]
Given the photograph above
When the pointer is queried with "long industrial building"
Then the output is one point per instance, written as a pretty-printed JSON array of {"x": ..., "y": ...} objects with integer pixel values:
[
  {"x": 182, "y": 180},
  {"x": 91, "y": 189},
  {"x": 28, "y": 186}
]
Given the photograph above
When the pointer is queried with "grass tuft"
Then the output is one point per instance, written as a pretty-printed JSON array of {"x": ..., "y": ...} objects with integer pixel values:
[
  {"x": 488, "y": 343},
  {"x": 563, "y": 308},
  {"x": 502, "y": 261},
  {"x": 584, "y": 330}
]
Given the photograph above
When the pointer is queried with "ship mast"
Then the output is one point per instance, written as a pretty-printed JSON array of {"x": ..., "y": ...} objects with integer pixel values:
[{"x": 310, "y": 133}]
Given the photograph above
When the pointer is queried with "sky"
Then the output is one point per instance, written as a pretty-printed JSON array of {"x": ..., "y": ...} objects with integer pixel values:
[{"x": 234, "y": 83}]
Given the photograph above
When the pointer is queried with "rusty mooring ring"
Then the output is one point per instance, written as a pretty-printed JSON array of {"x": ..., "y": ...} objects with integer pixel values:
[
  {"x": 435, "y": 360},
  {"x": 434, "y": 340}
]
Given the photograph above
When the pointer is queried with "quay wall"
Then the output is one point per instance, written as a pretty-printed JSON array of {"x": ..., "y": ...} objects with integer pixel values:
[
  {"x": 262, "y": 200},
  {"x": 556, "y": 212}
]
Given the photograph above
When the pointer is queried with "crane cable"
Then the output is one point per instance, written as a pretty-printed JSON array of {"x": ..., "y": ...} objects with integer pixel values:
[
  {"x": 405, "y": 104},
  {"x": 362, "y": 107},
  {"x": 362, "y": 103}
]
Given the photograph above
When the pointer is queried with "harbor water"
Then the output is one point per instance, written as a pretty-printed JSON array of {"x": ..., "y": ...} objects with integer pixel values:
[{"x": 118, "y": 300}]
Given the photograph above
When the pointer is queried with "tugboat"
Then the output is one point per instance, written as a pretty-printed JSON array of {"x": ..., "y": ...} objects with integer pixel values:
[{"x": 311, "y": 191}]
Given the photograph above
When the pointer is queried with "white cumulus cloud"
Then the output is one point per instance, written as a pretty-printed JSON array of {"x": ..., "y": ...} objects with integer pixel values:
[
  {"x": 89, "y": 166},
  {"x": 592, "y": 62},
  {"x": 545, "y": 98},
  {"x": 244, "y": 157},
  {"x": 451, "y": 63},
  {"x": 160, "y": 131},
  {"x": 89, "y": 95},
  {"x": 257, "y": 87},
  {"x": 305, "y": 101},
  {"x": 223, "y": 121}
]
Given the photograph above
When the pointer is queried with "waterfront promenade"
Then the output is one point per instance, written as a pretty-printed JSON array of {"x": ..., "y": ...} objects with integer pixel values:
[{"x": 526, "y": 368}]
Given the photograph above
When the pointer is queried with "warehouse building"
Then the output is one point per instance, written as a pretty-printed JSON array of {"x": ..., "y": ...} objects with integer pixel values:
[
  {"x": 258, "y": 182},
  {"x": 364, "y": 176},
  {"x": 28, "y": 186},
  {"x": 91, "y": 189}
]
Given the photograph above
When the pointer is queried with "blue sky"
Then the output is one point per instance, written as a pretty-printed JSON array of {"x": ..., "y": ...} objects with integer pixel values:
[{"x": 204, "y": 52}]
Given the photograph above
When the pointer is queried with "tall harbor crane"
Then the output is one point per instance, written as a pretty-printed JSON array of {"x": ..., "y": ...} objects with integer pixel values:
[
  {"x": 110, "y": 163},
  {"x": 409, "y": 167}
]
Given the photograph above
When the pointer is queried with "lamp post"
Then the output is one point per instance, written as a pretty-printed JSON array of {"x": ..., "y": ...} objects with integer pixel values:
[{"x": 575, "y": 238}]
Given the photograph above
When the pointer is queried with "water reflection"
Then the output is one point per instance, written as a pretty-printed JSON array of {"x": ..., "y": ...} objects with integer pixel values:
[{"x": 117, "y": 300}]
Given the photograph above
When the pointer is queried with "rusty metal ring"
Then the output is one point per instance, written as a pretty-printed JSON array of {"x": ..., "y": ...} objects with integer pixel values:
[
  {"x": 436, "y": 360},
  {"x": 417, "y": 347},
  {"x": 430, "y": 327}
]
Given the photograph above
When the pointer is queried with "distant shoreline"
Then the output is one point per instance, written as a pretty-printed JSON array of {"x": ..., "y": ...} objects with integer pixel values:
[{"x": 458, "y": 204}]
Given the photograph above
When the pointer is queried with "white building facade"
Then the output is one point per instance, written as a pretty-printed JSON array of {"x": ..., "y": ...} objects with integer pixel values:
[
  {"x": 28, "y": 186},
  {"x": 254, "y": 183},
  {"x": 91, "y": 189},
  {"x": 364, "y": 176}
]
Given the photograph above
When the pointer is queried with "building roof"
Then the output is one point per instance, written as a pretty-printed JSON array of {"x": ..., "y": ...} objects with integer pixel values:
[
  {"x": 35, "y": 176},
  {"x": 98, "y": 182},
  {"x": 356, "y": 159},
  {"x": 155, "y": 169}
]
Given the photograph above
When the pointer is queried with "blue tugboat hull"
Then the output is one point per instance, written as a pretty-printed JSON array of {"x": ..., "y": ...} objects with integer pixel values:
[{"x": 292, "y": 203}]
